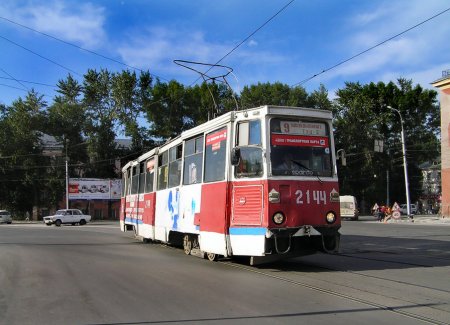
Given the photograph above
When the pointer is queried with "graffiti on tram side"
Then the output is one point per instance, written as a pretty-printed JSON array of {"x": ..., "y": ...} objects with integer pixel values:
[{"x": 176, "y": 207}]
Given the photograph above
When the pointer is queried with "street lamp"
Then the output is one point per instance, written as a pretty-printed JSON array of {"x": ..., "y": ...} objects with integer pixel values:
[
  {"x": 66, "y": 142},
  {"x": 405, "y": 165}
]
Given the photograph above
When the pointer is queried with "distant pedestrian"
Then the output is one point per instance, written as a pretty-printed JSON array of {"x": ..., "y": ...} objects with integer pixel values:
[
  {"x": 27, "y": 216},
  {"x": 375, "y": 210},
  {"x": 387, "y": 214},
  {"x": 381, "y": 211}
]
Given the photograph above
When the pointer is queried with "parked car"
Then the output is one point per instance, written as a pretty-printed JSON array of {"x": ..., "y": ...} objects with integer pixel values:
[
  {"x": 5, "y": 217},
  {"x": 413, "y": 209},
  {"x": 67, "y": 216}
]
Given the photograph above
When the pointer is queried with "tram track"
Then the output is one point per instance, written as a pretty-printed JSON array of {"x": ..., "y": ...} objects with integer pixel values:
[
  {"x": 378, "y": 277},
  {"x": 334, "y": 293},
  {"x": 398, "y": 310}
]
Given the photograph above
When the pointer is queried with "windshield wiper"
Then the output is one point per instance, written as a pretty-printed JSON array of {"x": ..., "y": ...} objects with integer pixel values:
[{"x": 308, "y": 169}]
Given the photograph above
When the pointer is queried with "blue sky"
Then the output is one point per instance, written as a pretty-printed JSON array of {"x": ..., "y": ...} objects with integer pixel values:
[{"x": 304, "y": 39}]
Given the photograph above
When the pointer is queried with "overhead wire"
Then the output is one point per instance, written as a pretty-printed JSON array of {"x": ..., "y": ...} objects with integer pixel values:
[
  {"x": 79, "y": 47},
  {"x": 248, "y": 37},
  {"x": 41, "y": 56},
  {"x": 236, "y": 46},
  {"x": 122, "y": 63},
  {"x": 5, "y": 72},
  {"x": 29, "y": 82},
  {"x": 370, "y": 48}
]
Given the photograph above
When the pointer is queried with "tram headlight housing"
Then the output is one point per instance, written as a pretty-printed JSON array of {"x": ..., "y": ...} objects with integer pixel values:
[
  {"x": 330, "y": 217},
  {"x": 278, "y": 218}
]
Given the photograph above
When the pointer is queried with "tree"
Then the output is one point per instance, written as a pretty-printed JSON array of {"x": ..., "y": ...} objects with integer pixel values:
[
  {"x": 361, "y": 116},
  {"x": 319, "y": 99},
  {"x": 129, "y": 95},
  {"x": 23, "y": 166},
  {"x": 283, "y": 95},
  {"x": 102, "y": 116}
]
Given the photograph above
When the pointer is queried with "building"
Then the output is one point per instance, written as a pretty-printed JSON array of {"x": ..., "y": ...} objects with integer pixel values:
[
  {"x": 430, "y": 199},
  {"x": 443, "y": 84}
]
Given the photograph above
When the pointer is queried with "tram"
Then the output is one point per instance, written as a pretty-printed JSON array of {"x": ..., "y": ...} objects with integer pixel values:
[{"x": 260, "y": 183}]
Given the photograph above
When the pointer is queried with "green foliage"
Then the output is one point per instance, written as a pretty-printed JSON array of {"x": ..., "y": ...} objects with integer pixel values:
[
  {"x": 20, "y": 151},
  {"x": 86, "y": 117},
  {"x": 362, "y": 116}
]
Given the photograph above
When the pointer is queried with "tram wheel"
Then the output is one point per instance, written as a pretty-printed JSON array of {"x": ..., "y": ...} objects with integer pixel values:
[
  {"x": 187, "y": 244},
  {"x": 212, "y": 257}
]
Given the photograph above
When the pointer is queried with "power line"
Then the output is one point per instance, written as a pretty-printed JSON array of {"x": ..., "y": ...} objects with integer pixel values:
[
  {"x": 29, "y": 82},
  {"x": 245, "y": 39},
  {"x": 12, "y": 87},
  {"x": 369, "y": 49},
  {"x": 41, "y": 56},
  {"x": 78, "y": 47},
  {"x": 12, "y": 78}
]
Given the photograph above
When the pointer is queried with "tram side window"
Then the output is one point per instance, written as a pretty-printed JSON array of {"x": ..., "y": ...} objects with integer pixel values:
[
  {"x": 163, "y": 170},
  {"x": 141, "y": 177},
  {"x": 134, "y": 180},
  {"x": 193, "y": 161},
  {"x": 149, "y": 175},
  {"x": 125, "y": 183},
  {"x": 175, "y": 165},
  {"x": 249, "y": 143},
  {"x": 215, "y": 155}
]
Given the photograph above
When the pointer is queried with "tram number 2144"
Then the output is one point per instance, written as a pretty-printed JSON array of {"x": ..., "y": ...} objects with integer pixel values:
[{"x": 304, "y": 197}]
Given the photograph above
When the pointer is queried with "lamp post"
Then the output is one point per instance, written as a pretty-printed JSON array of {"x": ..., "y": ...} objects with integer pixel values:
[
  {"x": 405, "y": 165},
  {"x": 67, "y": 174}
]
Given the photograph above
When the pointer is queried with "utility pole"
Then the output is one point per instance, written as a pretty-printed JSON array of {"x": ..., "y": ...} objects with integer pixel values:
[
  {"x": 405, "y": 166},
  {"x": 67, "y": 175},
  {"x": 387, "y": 187}
]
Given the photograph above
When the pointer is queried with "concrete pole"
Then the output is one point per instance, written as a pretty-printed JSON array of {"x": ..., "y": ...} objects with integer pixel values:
[{"x": 405, "y": 165}]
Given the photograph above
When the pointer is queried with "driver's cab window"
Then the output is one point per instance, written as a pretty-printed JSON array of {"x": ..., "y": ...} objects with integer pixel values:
[
  {"x": 248, "y": 143},
  {"x": 300, "y": 147}
]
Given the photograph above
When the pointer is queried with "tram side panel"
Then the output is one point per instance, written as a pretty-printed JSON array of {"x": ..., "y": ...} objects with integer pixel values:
[
  {"x": 176, "y": 210},
  {"x": 122, "y": 214},
  {"x": 147, "y": 208},
  {"x": 212, "y": 218}
]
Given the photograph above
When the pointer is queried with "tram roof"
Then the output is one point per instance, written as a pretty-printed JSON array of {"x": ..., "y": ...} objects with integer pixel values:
[{"x": 222, "y": 120}]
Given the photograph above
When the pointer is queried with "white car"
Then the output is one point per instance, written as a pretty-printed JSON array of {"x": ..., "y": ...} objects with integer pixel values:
[
  {"x": 5, "y": 217},
  {"x": 67, "y": 216},
  {"x": 403, "y": 209}
]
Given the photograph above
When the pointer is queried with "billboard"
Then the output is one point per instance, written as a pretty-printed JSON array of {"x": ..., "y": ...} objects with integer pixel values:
[{"x": 94, "y": 189}]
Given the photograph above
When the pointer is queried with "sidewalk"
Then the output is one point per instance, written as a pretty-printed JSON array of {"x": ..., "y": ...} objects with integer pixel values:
[{"x": 419, "y": 219}]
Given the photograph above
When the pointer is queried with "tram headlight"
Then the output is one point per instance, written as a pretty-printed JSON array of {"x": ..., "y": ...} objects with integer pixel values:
[
  {"x": 331, "y": 217},
  {"x": 278, "y": 218}
]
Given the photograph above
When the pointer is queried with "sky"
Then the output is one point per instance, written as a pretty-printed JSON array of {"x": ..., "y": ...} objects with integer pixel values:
[{"x": 285, "y": 41}]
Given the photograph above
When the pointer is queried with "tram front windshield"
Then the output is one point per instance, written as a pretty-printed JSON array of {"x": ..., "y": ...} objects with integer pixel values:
[{"x": 300, "y": 148}]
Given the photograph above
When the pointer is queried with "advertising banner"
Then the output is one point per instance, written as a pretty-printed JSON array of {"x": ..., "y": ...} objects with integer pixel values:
[{"x": 94, "y": 189}]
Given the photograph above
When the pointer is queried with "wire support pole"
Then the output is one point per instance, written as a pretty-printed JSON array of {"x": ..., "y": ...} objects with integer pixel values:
[{"x": 405, "y": 163}]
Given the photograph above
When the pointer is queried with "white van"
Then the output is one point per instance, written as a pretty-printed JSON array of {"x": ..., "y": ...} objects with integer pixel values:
[{"x": 349, "y": 207}]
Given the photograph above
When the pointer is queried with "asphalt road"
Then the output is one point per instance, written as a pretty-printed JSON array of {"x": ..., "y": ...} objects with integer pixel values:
[{"x": 94, "y": 274}]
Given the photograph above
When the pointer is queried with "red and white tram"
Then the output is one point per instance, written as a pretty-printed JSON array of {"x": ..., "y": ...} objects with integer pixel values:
[{"x": 260, "y": 182}]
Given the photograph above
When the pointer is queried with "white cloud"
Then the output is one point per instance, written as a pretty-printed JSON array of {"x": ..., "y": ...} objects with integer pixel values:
[
  {"x": 159, "y": 46},
  {"x": 81, "y": 23},
  {"x": 416, "y": 50},
  {"x": 424, "y": 77}
]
